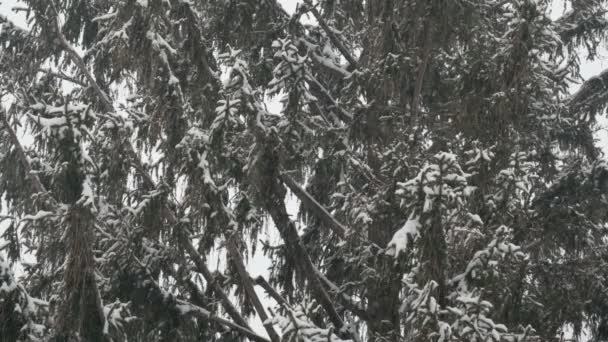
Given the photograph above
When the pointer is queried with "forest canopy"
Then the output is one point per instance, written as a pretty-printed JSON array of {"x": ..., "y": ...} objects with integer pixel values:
[{"x": 449, "y": 184}]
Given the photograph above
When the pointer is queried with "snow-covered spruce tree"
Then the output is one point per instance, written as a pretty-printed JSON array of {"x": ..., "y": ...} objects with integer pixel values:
[{"x": 450, "y": 185}]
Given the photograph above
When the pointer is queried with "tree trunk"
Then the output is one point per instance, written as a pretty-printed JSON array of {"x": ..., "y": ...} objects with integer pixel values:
[{"x": 383, "y": 289}]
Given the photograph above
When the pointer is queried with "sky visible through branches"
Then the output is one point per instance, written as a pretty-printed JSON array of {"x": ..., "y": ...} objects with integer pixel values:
[{"x": 259, "y": 264}]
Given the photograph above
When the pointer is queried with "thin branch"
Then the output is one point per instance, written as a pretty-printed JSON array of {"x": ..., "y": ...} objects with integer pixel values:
[
  {"x": 76, "y": 59},
  {"x": 211, "y": 281},
  {"x": 185, "y": 308},
  {"x": 189, "y": 308},
  {"x": 320, "y": 211},
  {"x": 342, "y": 114},
  {"x": 347, "y": 301},
  {"x": 260, "y": 281},
  {"x": 332, "y": 35},
  {"x": 237, "y": 260},
  {"x": 274, "y": 203},
  {"x": 63, "y": 76},
  {"x": 37, "y": 185},
  {"x": 426, "y": 54},
  {"x": 314, "y": 206}
]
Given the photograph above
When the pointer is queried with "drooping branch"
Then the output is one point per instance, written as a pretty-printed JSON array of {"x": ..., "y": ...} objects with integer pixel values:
[
  {"x": 314, "y": 206},
  {"x": 211, "y": 281},
  {"x": 319, "y": 210},
  {"x": 195, "y": 308},
  {"x": 337, "y": 228},
  {"x": 332, "y": 35},
  {"x": 63, "y": 76},
  {"x": 577, "y": 24},
  {"x": 166, "y": 212},
  {"x": 237, "y": 260},
  {"x": 201, "y": 267},
  {"x": 79, "y": 255},
  {"x": 272, "y": 194},
  {"x": 592, "y": 96},
  {"x": 317, "y": 88},
  {"x": 187, "y": 308},
  {"x": 293, "y": 242},
  {"x": 263, "y": 283},
  {"x": 76, "y": 59},
  {"x": 346, "y": 301},
  {"x": 37, "y": 185}
]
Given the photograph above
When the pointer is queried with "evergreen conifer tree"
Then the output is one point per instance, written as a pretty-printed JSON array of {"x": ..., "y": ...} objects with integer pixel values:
[{"x": 449, "y": 183}]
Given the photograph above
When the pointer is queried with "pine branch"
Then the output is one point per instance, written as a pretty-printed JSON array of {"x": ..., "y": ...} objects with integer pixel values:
[
  {"x": 341, "y": 113},
  {"x": 330, "y": 65},
  {"x": 292, "y": 240},
  {"x": 8, "y": 26},
  {"x": 314, "y": 206},
  {"x": 346, "y": 301},
  {"x": 237, "y": 259},
  {"x": 189, "y": 308},
  {"x": 167, "y": 212},
  {"x": 591, "y": 97},
  {"x": 184, "y": 280},
  {"x": 332, "y": 35},
  {"x": 185, "y": 308},
  {"x": 579, "y": 23},
  {"x": 274, "y": 203},
  {"x": 52, "y": 204},
  {"x": 260, "y": 281},
  {"x": 37, "y": 186},
  {"x": 320, "y": 211},
  {"x": 426, "y": 54},
  {"x": 211, "y": 281},
  {"x": 63, "y": 76},
  {"x": 76, "y": 59}
]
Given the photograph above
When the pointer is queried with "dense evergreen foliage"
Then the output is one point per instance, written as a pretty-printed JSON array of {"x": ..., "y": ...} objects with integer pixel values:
[{"x": 449, "y": 184}]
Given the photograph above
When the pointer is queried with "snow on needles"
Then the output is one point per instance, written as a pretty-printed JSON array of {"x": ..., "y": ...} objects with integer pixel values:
[{"x": 401, "y": 238}]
